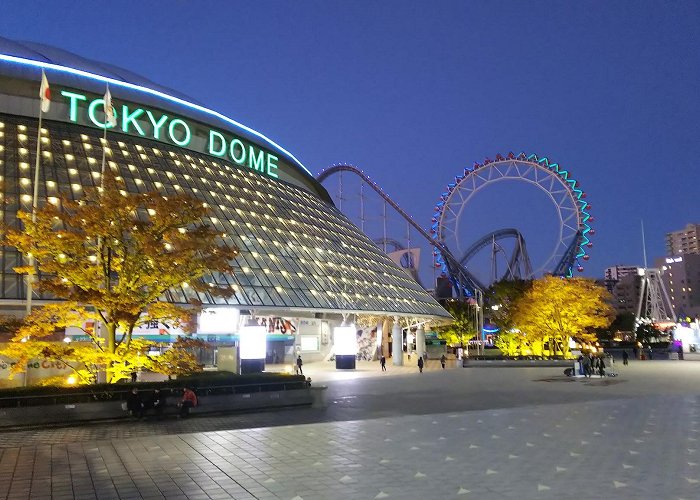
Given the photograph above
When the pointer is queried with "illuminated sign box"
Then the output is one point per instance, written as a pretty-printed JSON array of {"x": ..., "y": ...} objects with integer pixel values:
[
  {"x": 345, "y": 346},
  {"x": 345, "y": 339},
  {"x": 219, "y": 320},
  {"x": 253, "y": 342}
]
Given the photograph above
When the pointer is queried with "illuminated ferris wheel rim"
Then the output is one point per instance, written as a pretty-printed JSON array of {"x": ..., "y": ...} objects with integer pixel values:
[{"x": 561, "y": 188}]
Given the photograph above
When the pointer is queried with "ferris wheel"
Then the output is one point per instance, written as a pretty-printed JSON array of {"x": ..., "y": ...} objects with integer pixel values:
[{"x": 563, "y": 191}]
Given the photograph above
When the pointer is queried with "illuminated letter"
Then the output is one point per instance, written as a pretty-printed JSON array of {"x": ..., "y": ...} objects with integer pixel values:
[
  {"x": 256, "y": 163},
  {"x": 74, "y": 98},
  {"x": 272, "y": 165},
  {"x": 213, "y": 134},
  {"x": 131, "y": 118},
  {"x": 98, "y": 103},
  {"x": 157, "y": 125},
  {"x": 238, "y": 159},
  {"x": 187, "y": 135}
]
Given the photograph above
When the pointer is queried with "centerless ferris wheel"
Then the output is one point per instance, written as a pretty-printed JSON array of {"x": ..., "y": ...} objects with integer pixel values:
[{"x": 563, "y": 191}]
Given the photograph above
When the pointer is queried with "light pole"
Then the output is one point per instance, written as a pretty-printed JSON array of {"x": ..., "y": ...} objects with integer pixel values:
[{"x": 479, "y": 319}]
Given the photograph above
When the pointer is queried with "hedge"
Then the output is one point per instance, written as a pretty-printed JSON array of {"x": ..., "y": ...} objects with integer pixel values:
[{"x": 203, "y": 383}]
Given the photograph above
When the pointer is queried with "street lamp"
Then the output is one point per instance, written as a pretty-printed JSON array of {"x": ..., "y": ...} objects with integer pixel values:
[{"x": 479, "y": 319}]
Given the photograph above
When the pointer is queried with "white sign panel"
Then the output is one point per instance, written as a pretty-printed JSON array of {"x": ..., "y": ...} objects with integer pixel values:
[
  {"x": 218, "y": 320},
  {"x": 345, "y": 340},
  {"x": 253, "y": 342}
]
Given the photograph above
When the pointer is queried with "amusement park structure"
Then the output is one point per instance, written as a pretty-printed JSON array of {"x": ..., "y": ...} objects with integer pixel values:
[
  {"x": 654, "y": 305},
  {"x": 451, "y": 249},
  {"x": 518, "y": 266},
  {"x": 456, "y": 271}
]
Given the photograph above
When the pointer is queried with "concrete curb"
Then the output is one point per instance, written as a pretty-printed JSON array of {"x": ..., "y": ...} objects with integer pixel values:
[{"x": 66, "y": 414}]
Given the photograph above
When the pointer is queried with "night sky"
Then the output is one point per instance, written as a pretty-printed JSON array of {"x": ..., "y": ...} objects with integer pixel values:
[{"x": 412, "y": 92}]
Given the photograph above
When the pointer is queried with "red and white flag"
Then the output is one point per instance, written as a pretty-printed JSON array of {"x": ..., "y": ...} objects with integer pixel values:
[
  {"x": 110, "y": 117},
  {"x": 45, "y": 93}
]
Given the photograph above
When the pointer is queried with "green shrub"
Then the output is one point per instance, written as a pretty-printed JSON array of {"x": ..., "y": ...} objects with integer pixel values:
[{"x": 204, "y": 383}]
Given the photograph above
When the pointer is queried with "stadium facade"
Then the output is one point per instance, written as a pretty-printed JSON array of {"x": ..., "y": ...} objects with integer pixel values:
[{"x": 303, "y": 265}]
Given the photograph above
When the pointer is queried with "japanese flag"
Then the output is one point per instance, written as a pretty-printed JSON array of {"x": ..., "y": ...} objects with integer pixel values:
[
  {"x": 45, "y": 93},
  {"x": 110, "y": 117}
]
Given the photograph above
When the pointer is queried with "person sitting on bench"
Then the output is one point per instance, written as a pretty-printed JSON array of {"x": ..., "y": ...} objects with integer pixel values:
[{"x": 189, "y": 400}]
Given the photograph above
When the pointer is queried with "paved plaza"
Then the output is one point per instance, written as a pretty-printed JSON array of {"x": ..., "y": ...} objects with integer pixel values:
[{"x": 459, "y": 433}]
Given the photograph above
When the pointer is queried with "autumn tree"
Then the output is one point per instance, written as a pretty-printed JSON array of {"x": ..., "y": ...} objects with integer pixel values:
[
  {"x": 179, "y": 359},
  {"x": 8, "y": 327},
  {"x": 463, "y": 325},
  {"x": 510, "y": 343},
  {"x": 555, "y": 309},
  {"x": 501, "y": 298},
  {"x": 110, "y": 257}
]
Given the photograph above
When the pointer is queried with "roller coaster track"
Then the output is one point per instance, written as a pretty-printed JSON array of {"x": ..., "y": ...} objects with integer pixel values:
[
  {"x": 519, "y": 259},
  {"x": 383, "y": 242},
  {"x": 458, "y": 272}
]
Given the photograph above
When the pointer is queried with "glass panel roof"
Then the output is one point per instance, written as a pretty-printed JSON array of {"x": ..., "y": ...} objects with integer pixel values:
[{"x": 297, "y": 252}]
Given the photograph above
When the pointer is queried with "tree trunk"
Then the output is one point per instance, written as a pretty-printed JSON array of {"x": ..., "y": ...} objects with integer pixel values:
[{"x": 111, "y": 348}]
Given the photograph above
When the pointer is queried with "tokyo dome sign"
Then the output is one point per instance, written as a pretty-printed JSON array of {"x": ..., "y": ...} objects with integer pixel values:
[{"x": 139, "y": 121}]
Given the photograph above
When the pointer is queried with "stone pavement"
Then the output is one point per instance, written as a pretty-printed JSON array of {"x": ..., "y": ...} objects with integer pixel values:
[
  {"x": 640, "y": 440},
  {"x": 635, "y": 448}
]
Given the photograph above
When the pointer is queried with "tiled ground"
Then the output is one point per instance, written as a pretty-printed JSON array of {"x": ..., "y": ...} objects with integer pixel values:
[{"x": 631, "y": 448}]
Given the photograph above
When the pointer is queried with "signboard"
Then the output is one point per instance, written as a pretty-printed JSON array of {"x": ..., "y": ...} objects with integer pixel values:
[
  {"x": 140, "y": 121},
  {"x": 150, "y": 330},
  {"x": 277, "y": 325}
]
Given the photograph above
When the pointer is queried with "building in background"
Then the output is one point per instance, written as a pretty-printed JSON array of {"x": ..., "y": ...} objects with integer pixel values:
[
  {"x": 681, "y": 276},
  {"x": 623, "y": 282},
  {"x": 684, "y": 241}
]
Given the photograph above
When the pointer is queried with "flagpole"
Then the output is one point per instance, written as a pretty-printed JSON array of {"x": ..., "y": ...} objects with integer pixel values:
[
  {"x": 35, "y": 200},
  {"x": 102, "y": 376}
]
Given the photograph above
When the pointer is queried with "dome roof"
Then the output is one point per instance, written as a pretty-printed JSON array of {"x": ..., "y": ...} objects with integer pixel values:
[
  {"x": 54, "y": 55},
  {"x": 72, "y": 70}
]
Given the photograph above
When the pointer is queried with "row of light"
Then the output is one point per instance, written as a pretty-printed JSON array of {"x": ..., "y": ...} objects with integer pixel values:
[{"x": 76, "y": 186}]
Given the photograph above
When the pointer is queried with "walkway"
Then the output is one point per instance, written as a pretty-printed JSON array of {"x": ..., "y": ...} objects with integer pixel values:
[{"x": 616, "y": 441}]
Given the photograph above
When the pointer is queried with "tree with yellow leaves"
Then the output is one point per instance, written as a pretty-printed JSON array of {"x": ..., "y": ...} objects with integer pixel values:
[
  {"x": 555, "y": 308},
  {"x": 109, "y": 258},
  {"x": 463, "y": 325}
]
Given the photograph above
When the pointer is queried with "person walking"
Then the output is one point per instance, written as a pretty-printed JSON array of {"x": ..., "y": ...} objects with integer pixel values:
[
  {"x": 189, "y": 400},
  {"x": 443, "y": 360},
  {"x": 586, "y": 362},
  {"x": 299, "y": 364},
  {"x": 625, "y": 358},
  {"x": 601, "y": 367},
  {"x": 420, "y": 364},
  {"x": 382, "y": 361}
]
